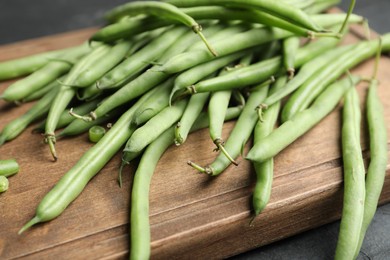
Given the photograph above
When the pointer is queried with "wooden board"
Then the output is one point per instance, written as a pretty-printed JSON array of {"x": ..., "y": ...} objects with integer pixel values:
[{"x": 192, "y": 215}]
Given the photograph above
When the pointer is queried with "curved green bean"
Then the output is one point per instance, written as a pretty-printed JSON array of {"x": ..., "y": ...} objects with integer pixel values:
[
  {"x": 66, "y": 94},
  {"x": 302, "y": 122},
  {"x": 112, "y": 57},
  {"x": 140, "y": 60},
  {"x": 239, "y": 135},
  {"x": 376, "y": 171},
  {"x": 43, "y": 76},
  {"x": 39, "y": 109},
  {"x": 75, "y": 180},
  {"x": 26, "y": 65},
  {"x": 159, "y": 9},
  {"x": 354, "y": 173},
  {"x": 260, "y": 71},
  {"x": 139, "y": 216},
  {"x": 155, "y": 126},
  {"x": 290, "y": 48}
]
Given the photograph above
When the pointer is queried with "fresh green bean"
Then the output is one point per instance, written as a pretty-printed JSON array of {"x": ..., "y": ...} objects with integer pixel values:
[
  {"x": 290, "y": 48},
  {"x": 66, "y": 94},
  {"x": 75, "y": 180},
  {"x": 161, "y": 10},
  {"x": 43, "y": 91},
  {"x": 239, "y": 135},
  {"x": 43, "y": 76},
  {"x": 376, "y": 171},
  {"x": 108, "y": 61},
  {"x": 139, "y": 216},
  {"x": 260, "y": 71},
  {"x": 302, "y": 122},
  {"x": 354, "y": 190},
  {"x": 302, "y": 98},
  {"x": 308, "y": 69},
  {"x": 192, "y": 111},
  {"x": 16, "y": 126},
  {"x": 160, "y": 101},
  {"x": 3, "y": 184},
  {"x": 265, "y": 170},
  {"x": 218, "y": 105},
  {"x": 279, "y": 9},
  {"x": 8, "y": 167},
  {"x": 96, "y": 133},
  {"x": 139, "y": 60},
  {"x": 26, "y": 65},
  {"x": 201, "y": 71},
  {"x": 155, "y": 126}
]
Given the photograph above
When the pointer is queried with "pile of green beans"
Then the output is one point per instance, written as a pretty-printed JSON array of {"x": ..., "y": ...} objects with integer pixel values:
[{"x": 149, "y": 73}]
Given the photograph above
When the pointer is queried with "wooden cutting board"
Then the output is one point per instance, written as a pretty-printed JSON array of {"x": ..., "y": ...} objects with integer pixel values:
[{"x": 192, "y": 215}]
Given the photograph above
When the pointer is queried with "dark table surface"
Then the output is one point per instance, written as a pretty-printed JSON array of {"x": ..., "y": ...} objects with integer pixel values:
[{"x": 23, "y": 19}]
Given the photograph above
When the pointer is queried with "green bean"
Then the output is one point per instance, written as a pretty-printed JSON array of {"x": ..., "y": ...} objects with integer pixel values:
[
  {"x": 376, "y": 171},
  {"x": 218, "y": 105},
  {"x": 290, "y": 48},
  {"x": 260, "y": 71},
  {"x": 302, "y": 98},
  {"x": 16, "y": 126},
  {"x": 108, "y": 61},
  {"x": 3, "y": 184},
  {"x": 161, "y": 10},
  {"x": 226, "y": 32},
  {"x": 354, "y": 190},
  {"x": 264, "y": 171},
  {"x": 239, "y": 135},
  {"x": 282, "y": 10},
  {"x": 192, "y": 111},
  {"x": 155, "y": 126},
  {"x": 145, "y": 81},
  {"x": 26, "y": 65},
  {"x": 160, "y": 101},
  {"x": 43, "y": 76},
  {"x": 8, "y": 167},
  {"x": 139, "y": 216},
  {"x": 308, "y": 69},
  {"x": 201, "y": 71},
  {"x": 43, "y": 91},
  {"x": 75, "y": 180},
  {"x": 139, "y": 60},
  {"x": 66, "y": 118},
  {"x": 241, "y": 41},
  {"x": 66, "y": 94},
  {"x": 96, "y": 133},
  {"x": 302, "y": 122}
]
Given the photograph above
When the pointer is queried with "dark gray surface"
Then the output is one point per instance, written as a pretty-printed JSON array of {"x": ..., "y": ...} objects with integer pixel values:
[{"x": 24, "y": 19}]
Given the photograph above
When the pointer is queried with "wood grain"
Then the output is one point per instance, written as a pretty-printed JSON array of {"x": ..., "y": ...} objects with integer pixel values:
[{"x": 192, "y": 215}]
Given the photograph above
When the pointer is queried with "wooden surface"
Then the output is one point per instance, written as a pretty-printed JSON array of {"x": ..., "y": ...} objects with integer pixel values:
[{"x": 192, "y": 215}]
